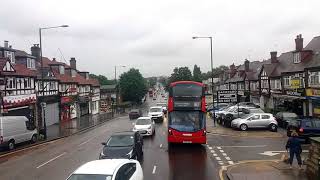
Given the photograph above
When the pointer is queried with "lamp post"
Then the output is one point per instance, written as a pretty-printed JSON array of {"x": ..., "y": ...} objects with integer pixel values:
[
  {"x": 210, "y": 38},
  {"x": 42, "y": 76}
]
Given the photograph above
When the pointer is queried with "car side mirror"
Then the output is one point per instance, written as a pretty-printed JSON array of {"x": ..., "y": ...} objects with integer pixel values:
[{"x": 103, "y": 143}]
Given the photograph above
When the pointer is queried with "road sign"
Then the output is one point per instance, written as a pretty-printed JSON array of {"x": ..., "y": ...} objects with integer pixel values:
[{"x": 227, "y": 96}]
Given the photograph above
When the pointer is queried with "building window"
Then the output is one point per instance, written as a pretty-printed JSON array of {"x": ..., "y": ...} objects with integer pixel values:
[
  {"x": 11, "y": 83},
  {"x": 31, "y": 64},
  {"x": 10, "y": 55},
  {"x": 27, "y": 83},
  {"x": 296, "y": 58},
  {"x": 286, "y": 81},
  {"x": 61, "y": 69},
  {"x": 275, "y": 84},
  {"x": 73, "y": 73},
  {"x": 314, "y": 78}
]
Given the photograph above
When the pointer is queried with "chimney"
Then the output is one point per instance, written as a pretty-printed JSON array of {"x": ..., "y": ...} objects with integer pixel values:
[
  {"x": 274, "y": 58},
  {"x": 35, "y": 51},
  {"x": 54, "y": 60},
  {"x": 232, "y": 67},
  {"x": 73, "y": 63},
  {"x": 6, "y": 44},
  {"x": 299, "y": 43},
  {"x": 246, "y": 65}
]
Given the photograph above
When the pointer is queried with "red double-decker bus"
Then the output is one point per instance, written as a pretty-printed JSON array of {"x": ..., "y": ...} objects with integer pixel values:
[{"x": 186, "y": 113}]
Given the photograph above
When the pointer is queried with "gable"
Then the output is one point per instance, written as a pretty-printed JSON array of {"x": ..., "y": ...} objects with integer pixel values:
[{"x": 8, "y": 67}]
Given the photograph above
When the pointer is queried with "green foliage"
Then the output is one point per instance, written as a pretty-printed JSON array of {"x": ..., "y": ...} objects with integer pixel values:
[
  {"x": 102, "y": 79},
  {"x": 132, "y": 86},
  {"x": 197, "y": 75},
  {"x": 217, "y": 72},
  {"x": 179, "y": 74},
  {"x": 151, "y": 81}
]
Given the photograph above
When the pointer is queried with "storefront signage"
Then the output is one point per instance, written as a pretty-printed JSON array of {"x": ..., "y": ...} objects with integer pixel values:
[
  {"x": 313, "y": 92},
  {"x": 296, "y": 92},
  {"x": 19, "y": 100},
  {"x": 72, "y": 89},
  {"x": 95, "y": 98},
  {"x": 227, "y": 96},
  {"x": 295, "y": 83},
  {"x": 65, "y": 100}
]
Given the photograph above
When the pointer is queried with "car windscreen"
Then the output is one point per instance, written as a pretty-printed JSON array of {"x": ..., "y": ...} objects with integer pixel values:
[
  {"x": 90, "y": 177},
  {"x": 155, "y": 109},
  {"x": 187, "y": 121},
  {"x": 120, "y": 141},
  {"x": 186, "y": 90},
  {"x": 143, "y": 122}
]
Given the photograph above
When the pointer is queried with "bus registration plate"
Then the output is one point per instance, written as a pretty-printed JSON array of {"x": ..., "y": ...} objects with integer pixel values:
[{"x": 187, "y": 142}]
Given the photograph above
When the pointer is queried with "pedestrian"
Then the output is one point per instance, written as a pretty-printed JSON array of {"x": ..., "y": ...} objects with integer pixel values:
[{"x": 294, "y": 146}]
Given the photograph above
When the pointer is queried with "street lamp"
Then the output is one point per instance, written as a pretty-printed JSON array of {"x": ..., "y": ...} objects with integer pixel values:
[
  {"x": 209, "y": 37},
  {"x": 42, "y": 76}
]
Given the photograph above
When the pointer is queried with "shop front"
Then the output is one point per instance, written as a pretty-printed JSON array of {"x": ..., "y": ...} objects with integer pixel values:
[
  {"x": 84, "y": 105},
  {"x": 66, "y": 108},
  {"x": 313, "y": 96},
  {"x": 95, "y": 104},
  {"x": 293, "y": 100}
]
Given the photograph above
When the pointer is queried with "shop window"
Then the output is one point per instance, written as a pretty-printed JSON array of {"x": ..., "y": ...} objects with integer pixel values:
[
  {"x": 286, "y": 81},
  {"x": 314, "y": 78}
]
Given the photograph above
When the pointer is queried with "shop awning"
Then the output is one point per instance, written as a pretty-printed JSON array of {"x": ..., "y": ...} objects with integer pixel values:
[{"x": 280, "y": 96}]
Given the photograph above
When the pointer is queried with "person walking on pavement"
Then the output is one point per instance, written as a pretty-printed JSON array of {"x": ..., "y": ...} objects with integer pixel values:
[{"x": 294, "y": 146}]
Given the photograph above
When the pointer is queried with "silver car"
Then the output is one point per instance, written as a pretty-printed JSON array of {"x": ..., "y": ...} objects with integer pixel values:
[{"x": 255, "y": 120}]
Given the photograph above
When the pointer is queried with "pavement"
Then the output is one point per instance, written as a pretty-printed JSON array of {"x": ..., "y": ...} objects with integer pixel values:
[{"x": 264, "y": 170}]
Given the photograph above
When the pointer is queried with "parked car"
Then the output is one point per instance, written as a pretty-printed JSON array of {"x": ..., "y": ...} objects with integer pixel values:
[
  {"x": 233, "y": 113},
  {"x": 164, "y": 107},
  {"x": 108, "y": 169},
  {"x": 156, "y": 113},
  {"x": 123, "y": 145},
  {"x": 284, "y": 118},
  {"x": 308, "y": 127},
  {"x": 255, "y": 120},
  {"x": 145, "y": 126},
  {"x": 135, "y": 113},
  {"x": 16, "y": 129},
  {"x": 249, "y": 104},
  {"x": 217, "y": 108}
]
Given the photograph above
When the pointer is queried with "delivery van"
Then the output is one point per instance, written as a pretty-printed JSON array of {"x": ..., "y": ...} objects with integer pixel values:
[{"x": 16, "y": 129}]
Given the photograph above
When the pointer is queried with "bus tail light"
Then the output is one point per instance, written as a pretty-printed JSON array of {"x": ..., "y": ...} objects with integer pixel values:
[
  {"x": 301, "y": 130},
  {"x": 204, "y": 132},
  {"x": 170, "y": 132}
]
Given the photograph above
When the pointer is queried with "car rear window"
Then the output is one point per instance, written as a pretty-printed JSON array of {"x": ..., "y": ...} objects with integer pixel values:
[
  {"x": 295, "y": 123},
  {"x": 307, "y": 124}
]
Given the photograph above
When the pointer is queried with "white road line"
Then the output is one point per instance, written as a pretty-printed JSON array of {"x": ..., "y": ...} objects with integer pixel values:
[
  {"x": 215, "y": 155},
  {"x": 51, "y": 160},
  {"x": 228, "y": 158},
  {"x": 255, "y": 146},
  {"x": 154, "y": 169},
  {"x": 218, "y": 158},
  {"x": 220, "y": 162},
  {"x": 160, "y": 145},
  {"x": 210, "y": 147},
  {"x": 218, "y": 147},
  {"x": 224, "y": 154},
  {"x": 221, "y": 150},
  {"x": 85, "y": 142},
  {"x": 212, "y": 151},
  {"x": 230, "y": 162}
]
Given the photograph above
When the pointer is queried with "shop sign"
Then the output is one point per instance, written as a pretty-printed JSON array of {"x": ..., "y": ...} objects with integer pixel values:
[
  {"x": 72, "y": 89},
  {"x": 316, "y": 110},
  {"x": 296, "y": 92},
  {"x": 65, "y": 100},
  {"x": 227, "y": 96},
  {"x": 295, "y": 83},
  {"x": 313, "y": 92},
  {"x": 95, "y": 98},
  {"x": 19, "y": 100}
]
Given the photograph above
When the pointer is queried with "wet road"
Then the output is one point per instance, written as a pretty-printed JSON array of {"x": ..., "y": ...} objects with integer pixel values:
[{"x": 58, "y": 159}]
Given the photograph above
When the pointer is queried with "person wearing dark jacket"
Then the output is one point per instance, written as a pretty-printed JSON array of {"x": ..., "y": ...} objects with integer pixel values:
[{"x": 294, "y": 146}]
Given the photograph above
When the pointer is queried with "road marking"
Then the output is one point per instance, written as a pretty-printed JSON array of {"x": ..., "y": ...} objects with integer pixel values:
[
  {"x": 215, "y": 154},
  {"x": 210, "y": 147},
  {"x": 85, "y": 142},
  {"x": 224, "y": 154},
  {"x": 230, "y": 162},
  {"x": 228, "y": 158},
  {"x": 51, "y": 160},
  {"x": 244, "y": 146},
  {"x": 218, "y": 158},
  {"x": 218, "y": 147},
  {"x": 160, "y": 145},
  {"x": 154, "y": 169},
  {"x": 221, "y": 150},
  {"x": 273, "y": 153},
  {"x": 220, "y": 162},
  {"x": 212, "y": 151}
]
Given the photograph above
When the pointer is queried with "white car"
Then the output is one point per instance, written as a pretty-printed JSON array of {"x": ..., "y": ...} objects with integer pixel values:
[
  {"x": 156, "y": 113},
  {"x": 145, "y": 126},
  {"x": 109, "y": 169}
]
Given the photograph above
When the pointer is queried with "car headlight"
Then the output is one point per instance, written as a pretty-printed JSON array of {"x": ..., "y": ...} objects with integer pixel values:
[{"x": 130, "y": 154}]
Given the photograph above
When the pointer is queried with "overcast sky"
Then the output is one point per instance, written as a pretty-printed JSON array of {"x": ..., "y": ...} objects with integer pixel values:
[{"x": 156, "y": 36}]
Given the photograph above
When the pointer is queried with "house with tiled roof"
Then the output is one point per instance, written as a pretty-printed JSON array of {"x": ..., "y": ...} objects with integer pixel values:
[{"x": 17, "y": 85}]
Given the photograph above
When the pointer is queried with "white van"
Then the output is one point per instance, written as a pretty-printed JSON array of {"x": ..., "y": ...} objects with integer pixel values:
[{"x": 16, "y": 129}]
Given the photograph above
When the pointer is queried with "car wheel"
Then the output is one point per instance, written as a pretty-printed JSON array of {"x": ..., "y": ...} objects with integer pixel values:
[
  {"x": 11, "y": 145},
  {"x": 34, "y": 138},
  {"x": 243, "y": 127},
  {"x": 273, "y": 128}
]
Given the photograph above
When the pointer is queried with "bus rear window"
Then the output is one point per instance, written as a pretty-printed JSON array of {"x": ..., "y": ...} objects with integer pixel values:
[{"x": 187, "y": 90}]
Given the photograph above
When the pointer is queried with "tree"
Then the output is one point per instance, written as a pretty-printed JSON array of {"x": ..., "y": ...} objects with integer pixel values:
[
  {"x": 132, "y": 86},
  {"x": 197, "y": 75},
  {"x": 151, "y": 81},
  {"x": 102, "y": 79},
  {"x": 179, "y": 74},
  {"x": 217, "y": 72}
]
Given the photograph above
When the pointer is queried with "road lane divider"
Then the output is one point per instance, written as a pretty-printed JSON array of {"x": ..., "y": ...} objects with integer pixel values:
[
  {"x": 154, "y": 169},
  {"x": 85, "y": 142},
  {"x": 43, "y": 164}
]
